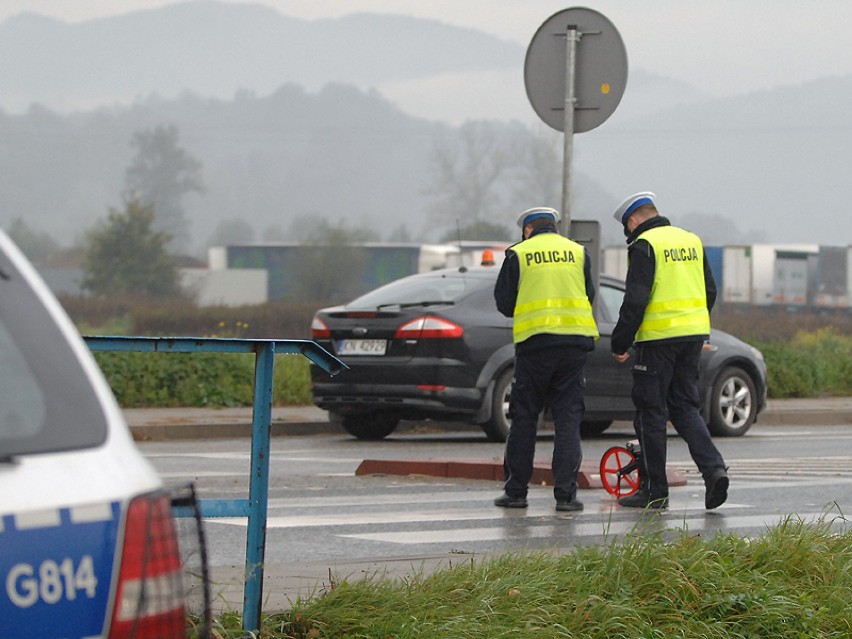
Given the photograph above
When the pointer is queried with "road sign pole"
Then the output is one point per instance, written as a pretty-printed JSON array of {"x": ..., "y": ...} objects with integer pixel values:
[
  {"x": 582, "y": 94},
  {"x": 572, "y": 38}
]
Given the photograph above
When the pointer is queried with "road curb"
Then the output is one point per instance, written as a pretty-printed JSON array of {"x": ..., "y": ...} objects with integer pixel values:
[
  {"x": 167, "y": 432},
  {"x": 198, "y": 430},
  {"x": 824, "y": 417},
  {"x": 588, "y": 476},
  {"x": 161, "y": 424}
]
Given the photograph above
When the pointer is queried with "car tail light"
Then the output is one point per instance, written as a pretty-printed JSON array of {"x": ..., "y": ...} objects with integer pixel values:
[
  {"x": 319, "y": 329},
  {"x": 426, "y": 326},
  {"x": 149, "y": 602}
]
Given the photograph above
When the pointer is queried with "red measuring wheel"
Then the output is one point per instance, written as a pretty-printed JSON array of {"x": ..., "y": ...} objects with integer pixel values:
[{"x": 619, "y": 471}]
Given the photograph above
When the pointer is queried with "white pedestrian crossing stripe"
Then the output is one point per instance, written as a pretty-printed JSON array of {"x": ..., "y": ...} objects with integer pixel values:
[
  {"x": 803, "y": 467},
  {"x": 415, "y": 515},
  {"x": 591, "y": 529},
  {"x": 448, "y": 516}
]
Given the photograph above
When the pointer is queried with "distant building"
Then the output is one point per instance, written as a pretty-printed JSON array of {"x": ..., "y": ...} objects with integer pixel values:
[{"x": 383, "y": 262}]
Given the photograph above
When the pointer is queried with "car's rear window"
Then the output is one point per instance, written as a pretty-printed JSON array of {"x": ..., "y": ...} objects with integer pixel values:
[
  {"x": 609, "y": 302},
  {"x": 47, "y": 402},
  {"x": 448, "y": 287}
]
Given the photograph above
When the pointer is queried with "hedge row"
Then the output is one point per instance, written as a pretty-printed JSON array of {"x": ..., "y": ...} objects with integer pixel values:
[
  {"x": 811, "y": 365},
  {"x": 144, "y": 380}
]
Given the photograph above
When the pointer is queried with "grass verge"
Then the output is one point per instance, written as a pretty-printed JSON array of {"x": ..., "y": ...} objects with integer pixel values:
[{"x": 794, "y": 581}]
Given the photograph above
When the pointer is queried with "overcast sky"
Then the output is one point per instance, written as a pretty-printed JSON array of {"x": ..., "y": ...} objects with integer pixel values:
[{"x": 721, "y": 46}]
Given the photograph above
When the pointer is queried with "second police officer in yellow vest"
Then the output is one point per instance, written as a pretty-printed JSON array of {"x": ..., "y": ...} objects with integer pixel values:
[
  {"x": 545, "y": 285},
  {"x": 665, "y": 317}
]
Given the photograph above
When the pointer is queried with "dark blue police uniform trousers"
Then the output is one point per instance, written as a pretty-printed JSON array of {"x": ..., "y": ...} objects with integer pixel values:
[
  {"x": 554, "y": 376},
  {"x": 665, "y": 387}
]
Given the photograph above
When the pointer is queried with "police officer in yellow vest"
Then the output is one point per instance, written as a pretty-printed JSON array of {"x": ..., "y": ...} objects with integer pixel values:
[
  {"x": 545, "y": 285},
  {"x": 665, "y": 316}
]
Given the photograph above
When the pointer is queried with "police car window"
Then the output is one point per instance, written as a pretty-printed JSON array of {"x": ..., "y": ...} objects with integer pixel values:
[
  {"x": 47, "y": 400},
  {"x": 22, "y": 404}
]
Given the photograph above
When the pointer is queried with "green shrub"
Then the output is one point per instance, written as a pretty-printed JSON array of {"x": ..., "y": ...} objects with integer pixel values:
[
  {"x": 807, "y": 355},
  {"x": 141, "y": 380},
  {"x": 812, "y": 364},
  {"x": 832, "y": 353},
  {"x": 292, "y": 385},
  {"x": 789, "y": 373}
]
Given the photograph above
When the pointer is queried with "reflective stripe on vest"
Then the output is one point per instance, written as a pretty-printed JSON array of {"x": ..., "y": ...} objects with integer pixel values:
[
  {"x": 552, "y": 289},
  {"x": 678, "y": 303}
]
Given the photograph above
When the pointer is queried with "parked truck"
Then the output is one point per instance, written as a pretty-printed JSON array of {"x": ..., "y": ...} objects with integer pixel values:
[
  {"x": 833, "y": 278},
  {"x": 789, "y": 275},
  {"x": 347, "y": 270}
]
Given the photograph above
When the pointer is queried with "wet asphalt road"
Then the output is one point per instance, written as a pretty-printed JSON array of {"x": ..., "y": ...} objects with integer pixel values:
[{"x": 326, "y": 523}]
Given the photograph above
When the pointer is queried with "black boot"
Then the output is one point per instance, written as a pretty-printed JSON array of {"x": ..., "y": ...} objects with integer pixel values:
[
  {"x": 643, "y": 499},
  {"x": 716, "y": 488}
]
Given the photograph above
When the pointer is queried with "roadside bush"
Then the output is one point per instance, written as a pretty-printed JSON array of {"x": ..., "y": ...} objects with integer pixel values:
[
  {"x": 807, "y": 355},
  {"x": 832, "y": 353},
  {"x": 789, "y": 373},
  {"x": 141, "y": 380},
  {"x": 812, "y": 364}
]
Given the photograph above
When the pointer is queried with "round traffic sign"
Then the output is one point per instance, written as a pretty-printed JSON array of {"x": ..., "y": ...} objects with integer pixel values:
[{"x": 600, "y": 69}]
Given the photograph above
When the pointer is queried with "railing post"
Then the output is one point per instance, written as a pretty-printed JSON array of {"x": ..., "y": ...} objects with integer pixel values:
[
  {"x": 256, "y": 506},
  {"x": 258, "y": 484}
]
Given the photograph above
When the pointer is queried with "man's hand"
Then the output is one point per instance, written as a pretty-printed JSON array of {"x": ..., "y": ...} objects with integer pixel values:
[{"x": 621, "y": 357}]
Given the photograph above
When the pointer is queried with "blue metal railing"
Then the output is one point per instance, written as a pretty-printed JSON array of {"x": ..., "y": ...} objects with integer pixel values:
[{"x": 255, "y": 507}]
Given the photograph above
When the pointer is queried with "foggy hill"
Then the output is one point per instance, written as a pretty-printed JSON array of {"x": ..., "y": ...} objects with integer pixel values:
[
  {"x": 772, "y": 170},
  {"x": 248, "y": 89},
  {"x": 774, "y": 161},
  {"x": 215, "y": 49},
  {"x": 337, "y": 153}
]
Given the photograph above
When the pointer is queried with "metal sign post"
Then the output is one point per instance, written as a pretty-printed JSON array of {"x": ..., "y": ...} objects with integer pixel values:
[
  {"x": 575, "y": 73},
  {"x": 572, "y": 38}
]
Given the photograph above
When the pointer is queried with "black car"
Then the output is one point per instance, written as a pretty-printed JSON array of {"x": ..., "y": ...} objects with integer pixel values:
[{"x": 434, "y": 346}]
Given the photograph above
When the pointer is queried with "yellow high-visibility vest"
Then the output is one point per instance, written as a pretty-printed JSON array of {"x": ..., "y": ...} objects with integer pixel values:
[
  {"x": 552, "y": 289},
  {"x": 677, "y": 306}
]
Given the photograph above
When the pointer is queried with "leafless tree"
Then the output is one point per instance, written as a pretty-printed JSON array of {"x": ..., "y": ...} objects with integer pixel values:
[{"x": 472, "y": 171}]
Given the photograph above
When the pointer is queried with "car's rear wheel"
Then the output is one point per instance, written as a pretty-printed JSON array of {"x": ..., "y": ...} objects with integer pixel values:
[
  {"x": 733, "y": 403},
  {"x": 497, "y": 427},
  {"x": 370, "y": 426}
]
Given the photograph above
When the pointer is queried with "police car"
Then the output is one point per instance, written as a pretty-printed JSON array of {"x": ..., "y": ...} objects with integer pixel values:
[{"x": 88, "y": 547}]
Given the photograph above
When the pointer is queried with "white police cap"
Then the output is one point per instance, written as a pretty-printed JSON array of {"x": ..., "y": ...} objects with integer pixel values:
[
  {"x": 536, "y": 212},
  {"x": 631, "y": 204}
]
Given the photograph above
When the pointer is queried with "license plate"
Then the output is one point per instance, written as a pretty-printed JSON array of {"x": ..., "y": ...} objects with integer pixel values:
[{"x": 362, "y": 347}]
